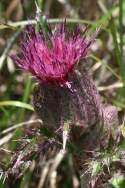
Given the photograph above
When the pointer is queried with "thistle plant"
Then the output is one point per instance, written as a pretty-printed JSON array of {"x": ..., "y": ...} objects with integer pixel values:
[
  {"x": 51, "y": 56},
  {"x": 65, "y": 92}
]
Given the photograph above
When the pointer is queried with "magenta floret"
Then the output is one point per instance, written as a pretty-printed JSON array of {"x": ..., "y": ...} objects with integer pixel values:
[{"x": 52, "y": 59}]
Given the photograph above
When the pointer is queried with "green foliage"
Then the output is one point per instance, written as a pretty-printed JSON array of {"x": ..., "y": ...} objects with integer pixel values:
[
  {"x": 96, "y": 168},
  {"x": 118, "y": 181}
]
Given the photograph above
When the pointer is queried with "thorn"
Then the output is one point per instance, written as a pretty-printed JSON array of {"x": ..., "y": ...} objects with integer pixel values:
[{"x": 65, "y": 136}]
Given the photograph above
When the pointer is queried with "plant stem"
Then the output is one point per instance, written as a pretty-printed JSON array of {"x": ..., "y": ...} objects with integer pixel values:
[{"x": 121, "y": 25}]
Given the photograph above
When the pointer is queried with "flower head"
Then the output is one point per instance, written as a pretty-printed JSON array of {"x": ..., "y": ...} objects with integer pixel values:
[{"x": 52, "y": 57}]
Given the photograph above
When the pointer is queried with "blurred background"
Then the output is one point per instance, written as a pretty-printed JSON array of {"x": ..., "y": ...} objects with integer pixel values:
[{"x": 106, "y": 62}]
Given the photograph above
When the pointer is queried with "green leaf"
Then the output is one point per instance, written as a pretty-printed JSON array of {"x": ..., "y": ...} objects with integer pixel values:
[
  {"x": 4, "y": 25},
  {"x": 123, "y": 129},
  {"x": 17, "y": 104},
  {"x": 118, "y": 181},
  {"x": 96, "y": 168}
]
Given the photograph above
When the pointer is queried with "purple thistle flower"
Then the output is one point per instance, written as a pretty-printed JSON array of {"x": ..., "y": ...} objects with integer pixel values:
[{"x": 52, "y": 59}]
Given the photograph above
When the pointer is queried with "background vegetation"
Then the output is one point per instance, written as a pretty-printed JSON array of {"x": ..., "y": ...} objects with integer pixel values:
[{"x": 106, "y": 64}]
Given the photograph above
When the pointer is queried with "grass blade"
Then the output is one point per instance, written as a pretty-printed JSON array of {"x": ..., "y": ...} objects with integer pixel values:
[
  {"x": 25, "y": 97},
  {"x": 121, "y": 25},
  {"x": 117, "y": 50},
  {"x": 16, "y": 104}
]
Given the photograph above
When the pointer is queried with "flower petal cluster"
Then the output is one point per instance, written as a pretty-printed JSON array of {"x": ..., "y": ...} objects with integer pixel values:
[{"x": 52, "y": 57}]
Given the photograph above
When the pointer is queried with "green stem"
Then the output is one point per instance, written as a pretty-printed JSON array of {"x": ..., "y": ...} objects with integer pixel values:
[
  {"x": 117, "y": 50},
  {"x": 121, "y": 25},
  {"x": 25, "y": 97}
]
